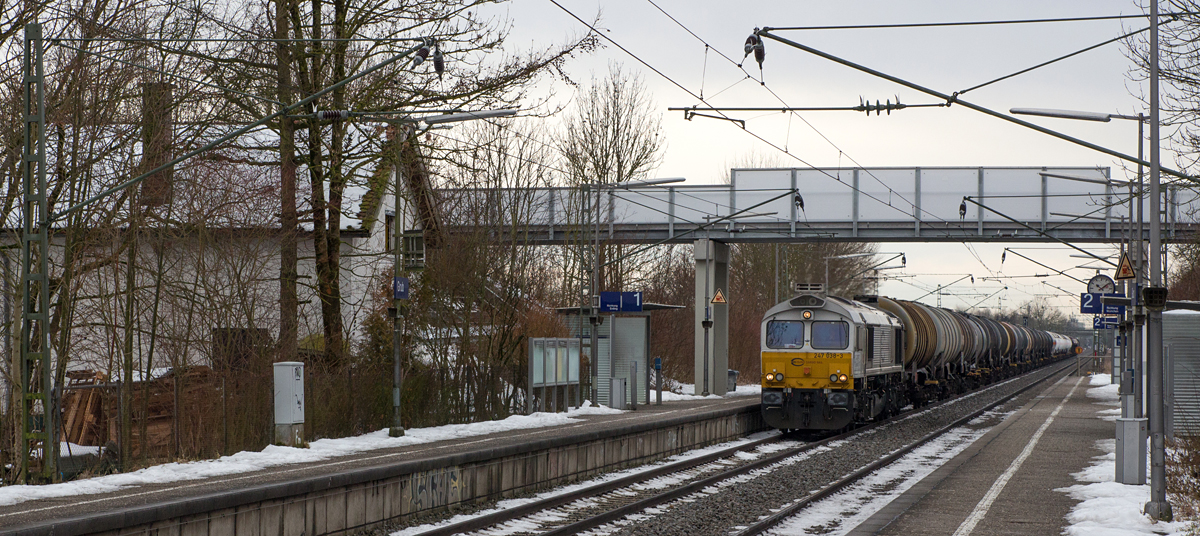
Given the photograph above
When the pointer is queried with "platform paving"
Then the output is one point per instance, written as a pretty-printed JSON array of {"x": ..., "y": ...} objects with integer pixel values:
[
  {"x": 1004, "y": 483},
  {"x": 37, "y": 512}
]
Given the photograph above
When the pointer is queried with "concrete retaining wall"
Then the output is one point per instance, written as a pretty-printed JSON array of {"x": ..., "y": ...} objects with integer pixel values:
[{"x": 345, "y": 503}]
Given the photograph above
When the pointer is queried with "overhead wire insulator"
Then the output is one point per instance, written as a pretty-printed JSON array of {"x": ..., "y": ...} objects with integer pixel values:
[
  {"x": 886, "y": 106},
  {"x": 421, "y": 55},
  {"x": 439, "y": 62},
  {"x": 333, "y": 115},
  {"x": 754, "y": 44}
]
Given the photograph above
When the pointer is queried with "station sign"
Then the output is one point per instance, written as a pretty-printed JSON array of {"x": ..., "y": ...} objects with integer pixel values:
[
  {"x": 621, "y": 302},
  {"x": 399, "y": 288},
  {"x": 1089, "y": 304},
  {"x": 1105, "y": 322}
]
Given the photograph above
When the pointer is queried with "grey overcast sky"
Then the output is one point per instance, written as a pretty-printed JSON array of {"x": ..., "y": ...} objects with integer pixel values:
[{"x": 946, "y": 59}]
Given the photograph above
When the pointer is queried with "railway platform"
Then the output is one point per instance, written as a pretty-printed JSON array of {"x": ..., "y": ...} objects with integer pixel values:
[
  {"x": 347, "y": 494},
  {"x": 1005, "y": 482}
]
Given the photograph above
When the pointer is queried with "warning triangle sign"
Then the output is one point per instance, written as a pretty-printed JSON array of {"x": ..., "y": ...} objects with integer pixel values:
[
  {"x": 1125, "y": 268},
  {"x": 719, "y": 297}
]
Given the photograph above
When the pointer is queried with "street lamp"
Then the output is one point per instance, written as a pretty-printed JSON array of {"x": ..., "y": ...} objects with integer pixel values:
[
  {"x": 1139, "y": 314},
  {"x": 1157, "y": 507},
  {"x": 397, "y": 428}
]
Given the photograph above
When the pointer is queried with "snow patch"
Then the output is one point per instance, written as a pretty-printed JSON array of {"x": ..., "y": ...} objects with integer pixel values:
[
  {"x": 1108, "y": 508},
  {"x": 275, "y": 455}
]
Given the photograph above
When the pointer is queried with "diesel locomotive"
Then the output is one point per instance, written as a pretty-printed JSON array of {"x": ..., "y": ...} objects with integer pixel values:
[{"x": 829, "y": 361}]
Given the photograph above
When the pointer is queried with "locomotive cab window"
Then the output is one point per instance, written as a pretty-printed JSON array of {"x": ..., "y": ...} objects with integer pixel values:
[
  {"x": 785, "y": 334},
  {"x": 830, "y": 335}
]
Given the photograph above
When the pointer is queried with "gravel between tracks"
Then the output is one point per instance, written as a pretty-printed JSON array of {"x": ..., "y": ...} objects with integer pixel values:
[{"x": 744, "y": 500}]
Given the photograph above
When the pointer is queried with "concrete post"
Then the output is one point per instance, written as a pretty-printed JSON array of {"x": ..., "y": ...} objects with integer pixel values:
[{"x": 712, "y": 273}]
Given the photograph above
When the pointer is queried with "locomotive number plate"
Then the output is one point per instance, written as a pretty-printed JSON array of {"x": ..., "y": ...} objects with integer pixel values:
[{"x": 829, "y": 355}]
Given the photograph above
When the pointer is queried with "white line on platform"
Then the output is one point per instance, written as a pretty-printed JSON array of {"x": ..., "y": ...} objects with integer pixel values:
[{"x": 985, "y": 504}]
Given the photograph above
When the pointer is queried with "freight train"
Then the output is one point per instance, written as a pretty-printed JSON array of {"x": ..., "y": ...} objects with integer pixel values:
[{"x": 829, "y": 362}]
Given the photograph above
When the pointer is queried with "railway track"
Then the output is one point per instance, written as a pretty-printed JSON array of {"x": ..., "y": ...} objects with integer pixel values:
[
  {"x": 768, "y": 522},
  {"x": 614, "y": 503}
]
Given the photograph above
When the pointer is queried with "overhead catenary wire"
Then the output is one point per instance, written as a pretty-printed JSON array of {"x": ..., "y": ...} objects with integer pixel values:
[
  {"x": 973, "y": 23},
  {"x": 748, "y": 131},
  {"x": 955, "y": 99},
  {"x": 634, "y": 191},
  {"x": 1058, "y": 59},
  {"x": 890, "y": 190},
  {"x": 755, "y": 135},
  {"x": 683, "y": 193}
]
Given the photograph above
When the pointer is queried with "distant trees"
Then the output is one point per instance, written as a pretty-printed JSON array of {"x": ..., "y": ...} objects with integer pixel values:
[
  {"x": 1184, "y": 279},
  {"x": 1179, "y": 60}
]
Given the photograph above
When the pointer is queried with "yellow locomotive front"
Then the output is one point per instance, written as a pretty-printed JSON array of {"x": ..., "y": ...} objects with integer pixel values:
[
  {"x": 807, "y": 365},
  {"x": 827, "y": 361}
]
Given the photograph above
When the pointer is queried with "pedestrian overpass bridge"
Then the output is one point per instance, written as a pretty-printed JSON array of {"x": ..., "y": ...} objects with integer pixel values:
[{"x": 915, "y": 204}]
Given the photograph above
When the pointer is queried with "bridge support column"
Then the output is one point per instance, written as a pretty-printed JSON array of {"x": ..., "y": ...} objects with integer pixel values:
[{"x": 712, "y": 273}]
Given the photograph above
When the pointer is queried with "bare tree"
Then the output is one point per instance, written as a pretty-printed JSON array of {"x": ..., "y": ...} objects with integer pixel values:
[{"x": 611, "y": 134}]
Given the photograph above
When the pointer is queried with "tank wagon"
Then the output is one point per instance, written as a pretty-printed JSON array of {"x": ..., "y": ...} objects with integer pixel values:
[{"x": 828, "y": 361}]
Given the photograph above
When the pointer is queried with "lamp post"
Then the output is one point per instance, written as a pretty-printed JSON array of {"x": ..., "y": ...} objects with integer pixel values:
[
  {"x": 1155, "y": 297},
  {"x": 592, "y": 292},
  {"x": 397, "y": 310},
  {"x": 1152, "y": 299},
  {"x": 1139, "y": 313}
]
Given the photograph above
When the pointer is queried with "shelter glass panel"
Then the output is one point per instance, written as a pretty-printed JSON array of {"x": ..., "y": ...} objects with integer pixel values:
[
  {"x": 537, "y": 362},
  {"x": 561, "y": 368}
]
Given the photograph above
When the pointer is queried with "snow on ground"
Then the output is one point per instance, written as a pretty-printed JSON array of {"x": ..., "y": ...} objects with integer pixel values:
[
  {"x": 273, "y": 456},
  {"x": 322, "y": 449},
  {"x": 533, "y": 524},
  {"x": 1109, "y": 508},
  {"x": 687, "y": 391},
  {"x": 71, "y": 449}
]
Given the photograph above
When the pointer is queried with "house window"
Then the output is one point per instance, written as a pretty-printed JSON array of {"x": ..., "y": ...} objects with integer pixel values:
[{"x": 390, "y": 233}]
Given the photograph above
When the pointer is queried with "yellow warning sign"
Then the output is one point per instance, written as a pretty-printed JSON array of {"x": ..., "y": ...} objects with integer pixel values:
[
  {"x": 1125, "y": 268},
  {"x": 719, "y": 297}
]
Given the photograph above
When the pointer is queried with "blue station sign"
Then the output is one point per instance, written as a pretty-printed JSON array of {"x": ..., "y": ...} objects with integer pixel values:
[
  {"x": 1089, "y": 304},
  {"x": 399, "y": 288},
  {"x": 621, "y": 302}
]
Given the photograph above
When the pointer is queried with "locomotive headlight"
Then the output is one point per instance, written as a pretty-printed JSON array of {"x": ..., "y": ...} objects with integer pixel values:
[
  {"x": 833, "y": 378},
  {"x": 806, "y": 314},
  {"x": 770, "y": 377},
  {"x": 779, "y": 377},
  {"x": 843, "y": 378}
]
